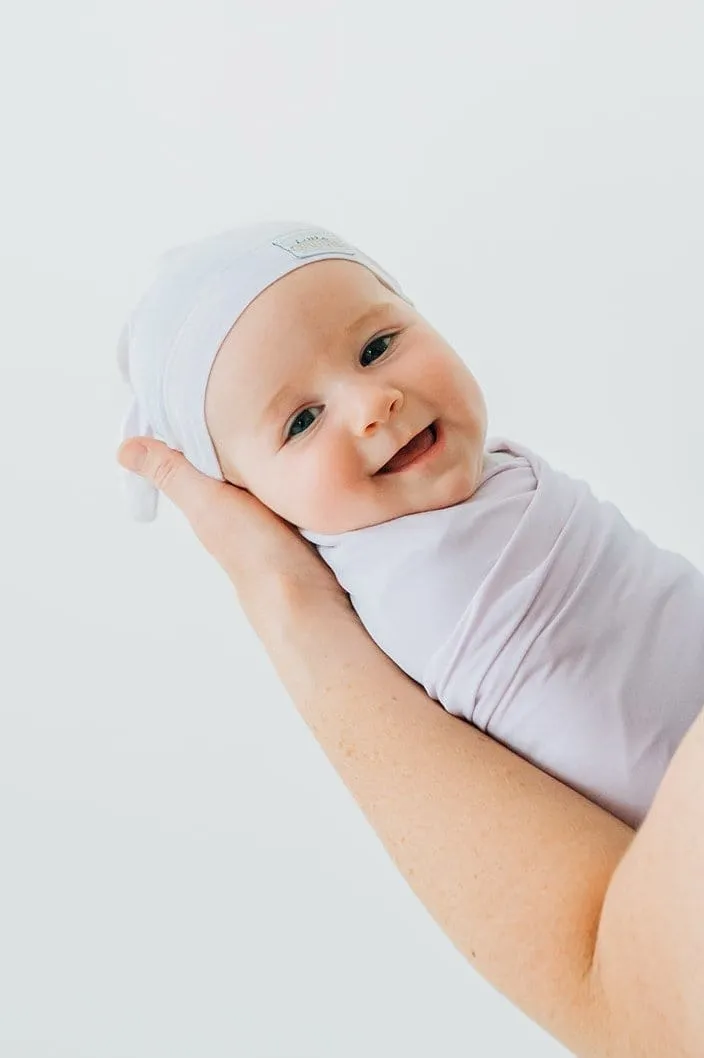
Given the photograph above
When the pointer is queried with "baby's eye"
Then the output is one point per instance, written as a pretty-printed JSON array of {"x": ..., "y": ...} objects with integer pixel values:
[
  {"x": 300, "y": 423},
  {"x": 377, "y": 350}
]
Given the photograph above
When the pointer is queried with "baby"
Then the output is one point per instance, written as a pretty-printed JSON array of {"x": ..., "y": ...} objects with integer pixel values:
[{"x": 286, "y": 361}]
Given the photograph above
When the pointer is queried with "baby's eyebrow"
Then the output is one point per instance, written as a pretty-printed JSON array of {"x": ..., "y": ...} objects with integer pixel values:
[
  {"x": 367, "y": 316},
  {"x": 283, "y": 395},
  {"x": 286, "y": 393}
]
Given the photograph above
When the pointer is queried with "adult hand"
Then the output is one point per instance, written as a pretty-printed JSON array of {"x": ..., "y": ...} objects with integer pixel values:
[{"x": 257, "y": 549}]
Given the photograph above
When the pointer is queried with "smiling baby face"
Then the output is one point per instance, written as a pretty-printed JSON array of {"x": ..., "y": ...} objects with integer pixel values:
[{"x": 321, "y": 381}]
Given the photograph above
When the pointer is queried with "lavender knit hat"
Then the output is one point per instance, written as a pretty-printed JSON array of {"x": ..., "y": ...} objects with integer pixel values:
[{"x": 169, "y": 343}]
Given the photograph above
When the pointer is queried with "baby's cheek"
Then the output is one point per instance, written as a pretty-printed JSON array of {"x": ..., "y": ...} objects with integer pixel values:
[
  {"x": 328, "y": 480},
  {"x": 323, "y": 474}
]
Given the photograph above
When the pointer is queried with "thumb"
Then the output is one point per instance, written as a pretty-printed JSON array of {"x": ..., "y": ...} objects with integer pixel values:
[
  {"x": 242, "y": 534},
  {"x": 197, "y": 495},
  {"x": 163, "y": 466}
]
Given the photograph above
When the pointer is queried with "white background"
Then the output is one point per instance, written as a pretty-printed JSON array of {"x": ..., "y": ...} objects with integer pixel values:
[{"x": 182, "y": 874}]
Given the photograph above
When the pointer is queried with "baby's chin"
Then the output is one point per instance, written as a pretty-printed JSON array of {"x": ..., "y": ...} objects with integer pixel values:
[
  {"x": 389, "y": 498},
  {"x": 337, "y": 526}
]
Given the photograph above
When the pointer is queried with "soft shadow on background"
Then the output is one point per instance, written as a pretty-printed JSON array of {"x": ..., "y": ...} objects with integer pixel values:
[{"x": 183, "y": 874}]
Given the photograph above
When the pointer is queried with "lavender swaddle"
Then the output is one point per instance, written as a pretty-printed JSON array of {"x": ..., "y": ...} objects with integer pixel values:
[{"x": 540, "y": 615}]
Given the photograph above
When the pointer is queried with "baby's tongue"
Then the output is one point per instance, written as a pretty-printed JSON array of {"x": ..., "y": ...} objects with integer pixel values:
[{"x": 417, "y": 445}]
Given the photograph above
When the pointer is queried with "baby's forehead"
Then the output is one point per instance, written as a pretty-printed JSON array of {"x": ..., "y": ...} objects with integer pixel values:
[{"x": 299, "y": 320}]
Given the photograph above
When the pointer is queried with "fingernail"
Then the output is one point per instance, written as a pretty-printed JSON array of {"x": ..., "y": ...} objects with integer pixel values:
[{"x": 134, "y": 457}]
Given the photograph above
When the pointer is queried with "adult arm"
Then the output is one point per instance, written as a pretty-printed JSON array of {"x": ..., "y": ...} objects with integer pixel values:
[
  {"x": 541, "y": 890},
  {"x": 649, "y": 954}
]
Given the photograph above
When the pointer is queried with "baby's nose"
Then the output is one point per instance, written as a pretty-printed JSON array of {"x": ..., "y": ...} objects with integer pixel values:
[{"x": 373, "y": 405}]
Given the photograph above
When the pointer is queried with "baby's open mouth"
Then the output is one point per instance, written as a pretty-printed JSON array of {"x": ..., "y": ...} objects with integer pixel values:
[{"x": 416, "y": 447}]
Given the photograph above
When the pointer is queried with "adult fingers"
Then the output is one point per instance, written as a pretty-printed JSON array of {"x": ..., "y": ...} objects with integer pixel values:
[
  {"x": 212, "y": 507},
  {"x": 248, "y": 540}
]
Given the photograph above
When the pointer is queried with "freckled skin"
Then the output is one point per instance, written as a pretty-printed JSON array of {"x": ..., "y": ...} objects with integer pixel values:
[{"x": 354, "y": 400}]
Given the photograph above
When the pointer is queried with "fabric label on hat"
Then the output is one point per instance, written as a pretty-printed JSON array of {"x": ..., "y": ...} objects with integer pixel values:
[{"x": 314, "y": 242}]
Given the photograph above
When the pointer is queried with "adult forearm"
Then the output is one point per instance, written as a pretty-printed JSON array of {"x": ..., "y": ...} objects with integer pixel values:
[
  {"x": 511, "y": 863},
  {"x": 596, "y": 936},
  {"x": 649, "y": 956}
]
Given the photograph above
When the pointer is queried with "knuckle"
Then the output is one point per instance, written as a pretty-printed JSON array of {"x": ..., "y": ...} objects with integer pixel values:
[{"x": 164, "y": 472}]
